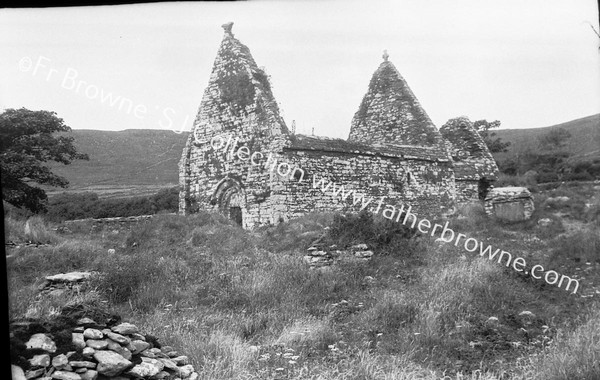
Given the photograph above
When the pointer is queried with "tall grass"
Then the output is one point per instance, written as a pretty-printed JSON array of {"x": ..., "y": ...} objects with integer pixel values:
[
  {"x": 228, "y": 297},
  {"x": 574, "y": 356},
  {"x": 31, "y": 230}
]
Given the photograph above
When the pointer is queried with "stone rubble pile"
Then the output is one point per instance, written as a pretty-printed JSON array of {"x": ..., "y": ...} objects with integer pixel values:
[
  {"x": 101, "y": 353},
  {"x": 16, "y": 245},
  {"x": 121, "y": 222},
  {"x": 61, "y": 282},
  {"x": 318, "y": 256}
]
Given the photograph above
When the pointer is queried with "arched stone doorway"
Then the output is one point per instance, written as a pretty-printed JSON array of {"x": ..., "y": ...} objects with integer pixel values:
[{"x": 231, "y": 200}]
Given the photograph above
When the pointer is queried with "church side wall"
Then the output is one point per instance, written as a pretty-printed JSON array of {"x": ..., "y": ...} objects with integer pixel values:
[{"x": 425, "y": 185}]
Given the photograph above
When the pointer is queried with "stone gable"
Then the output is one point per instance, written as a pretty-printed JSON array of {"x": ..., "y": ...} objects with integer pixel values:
[{"x": 242, "y": 161}]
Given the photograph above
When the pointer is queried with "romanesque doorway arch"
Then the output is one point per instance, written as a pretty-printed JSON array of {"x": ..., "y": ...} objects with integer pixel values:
[{"x": 230, "y": 200}]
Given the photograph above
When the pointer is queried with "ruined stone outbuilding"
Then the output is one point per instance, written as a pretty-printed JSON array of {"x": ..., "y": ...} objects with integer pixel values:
[
  {"x": 242, "y": 160},
  {"x": 474, "y": 166},
  {"x": 510, "y": 204}
]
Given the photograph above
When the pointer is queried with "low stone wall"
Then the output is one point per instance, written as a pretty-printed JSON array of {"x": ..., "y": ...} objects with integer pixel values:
[
  {"x": 125, "y": 222},
  {"x": 509, "y": 203},
  {"x": 319, "y": 256}
]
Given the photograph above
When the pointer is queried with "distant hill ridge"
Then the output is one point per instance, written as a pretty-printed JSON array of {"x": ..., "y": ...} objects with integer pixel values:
[
  {"x": 148, "y": 158},
  {"x": 129, "y": 157},
  {"x": 584, "y": 143}
]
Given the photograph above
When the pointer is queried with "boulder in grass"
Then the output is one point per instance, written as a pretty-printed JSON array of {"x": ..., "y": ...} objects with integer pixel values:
[
  {"x": 69, "y": 277},
  {"x": 186, "y": 370}
]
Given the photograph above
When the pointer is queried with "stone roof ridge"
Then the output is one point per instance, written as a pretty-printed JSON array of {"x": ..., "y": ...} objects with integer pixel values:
[
  {"x": 390, "y": 112},
  {"x": 319, "y": 137},
  {"x": 404, "y": 85},
  {"x": 396, "y": 145},
  {"x": 461, "y": 133},
  {"x": 239, "y": 93}
]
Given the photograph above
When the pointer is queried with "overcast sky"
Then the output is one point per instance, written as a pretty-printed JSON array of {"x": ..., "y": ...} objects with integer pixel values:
[{"x": 526, "y": 63}]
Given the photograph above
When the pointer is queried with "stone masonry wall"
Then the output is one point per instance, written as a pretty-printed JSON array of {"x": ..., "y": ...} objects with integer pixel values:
[
  {"x": 237, "y": 109},
  {"x": 425, "y": 186}
]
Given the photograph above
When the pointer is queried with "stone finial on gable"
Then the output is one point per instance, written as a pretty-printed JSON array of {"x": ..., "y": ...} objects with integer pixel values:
[
  {"x": 385, "y": 56},
  {"x": 227, "y": 27}
]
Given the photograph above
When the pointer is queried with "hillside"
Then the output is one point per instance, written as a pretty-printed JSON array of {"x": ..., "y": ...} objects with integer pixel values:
[
  {"x": 584, "y": 143},
  {"x": 139, "y": 161},
  {"x": 322, "y": 296},
  {"x": 124, "y": 161}
]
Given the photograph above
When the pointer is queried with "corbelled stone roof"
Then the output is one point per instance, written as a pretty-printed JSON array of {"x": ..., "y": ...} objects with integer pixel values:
[
  {"x": 472, "y": 158},
  {"x": 327, "y": 144},
  {"x": 390, "y": 113},
  {"x": 238, "y": 91}
]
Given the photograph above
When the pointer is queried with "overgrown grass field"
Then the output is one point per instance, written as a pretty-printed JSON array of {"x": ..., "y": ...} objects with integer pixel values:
[{"x": 244, "y": 305}]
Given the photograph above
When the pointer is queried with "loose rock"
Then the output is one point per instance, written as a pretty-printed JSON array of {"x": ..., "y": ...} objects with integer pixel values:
[
  {"x": 97, "y": 344},
  {"x": 90, "y": 374},
  {"x": 40, "y": 360},
  {"x": 93, "y": 334},
  {"x": 118, "y": 338},
  {"x": 64, "y": 375},
  {"x": 138, "y": 346},
  {"x": 84, "y": 364},
  {"x": 60, "y": 361},
  {"x": 125, "y": 329},
  {"x": 41, "y": 342},
  {"x": 32, "y": 374},
  {"x": 78, "y": 340},
  {"x": 110, "y": 363}
]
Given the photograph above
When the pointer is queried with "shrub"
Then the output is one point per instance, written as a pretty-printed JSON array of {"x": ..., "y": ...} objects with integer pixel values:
[{"x": 381, "y": 234}]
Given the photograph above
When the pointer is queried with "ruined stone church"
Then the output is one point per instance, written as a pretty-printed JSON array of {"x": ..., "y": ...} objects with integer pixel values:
[{"x": 242, "y": 160}]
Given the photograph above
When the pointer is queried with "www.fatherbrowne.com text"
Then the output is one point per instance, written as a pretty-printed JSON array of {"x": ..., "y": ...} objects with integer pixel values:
[{"x": 403, "y": 215}]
